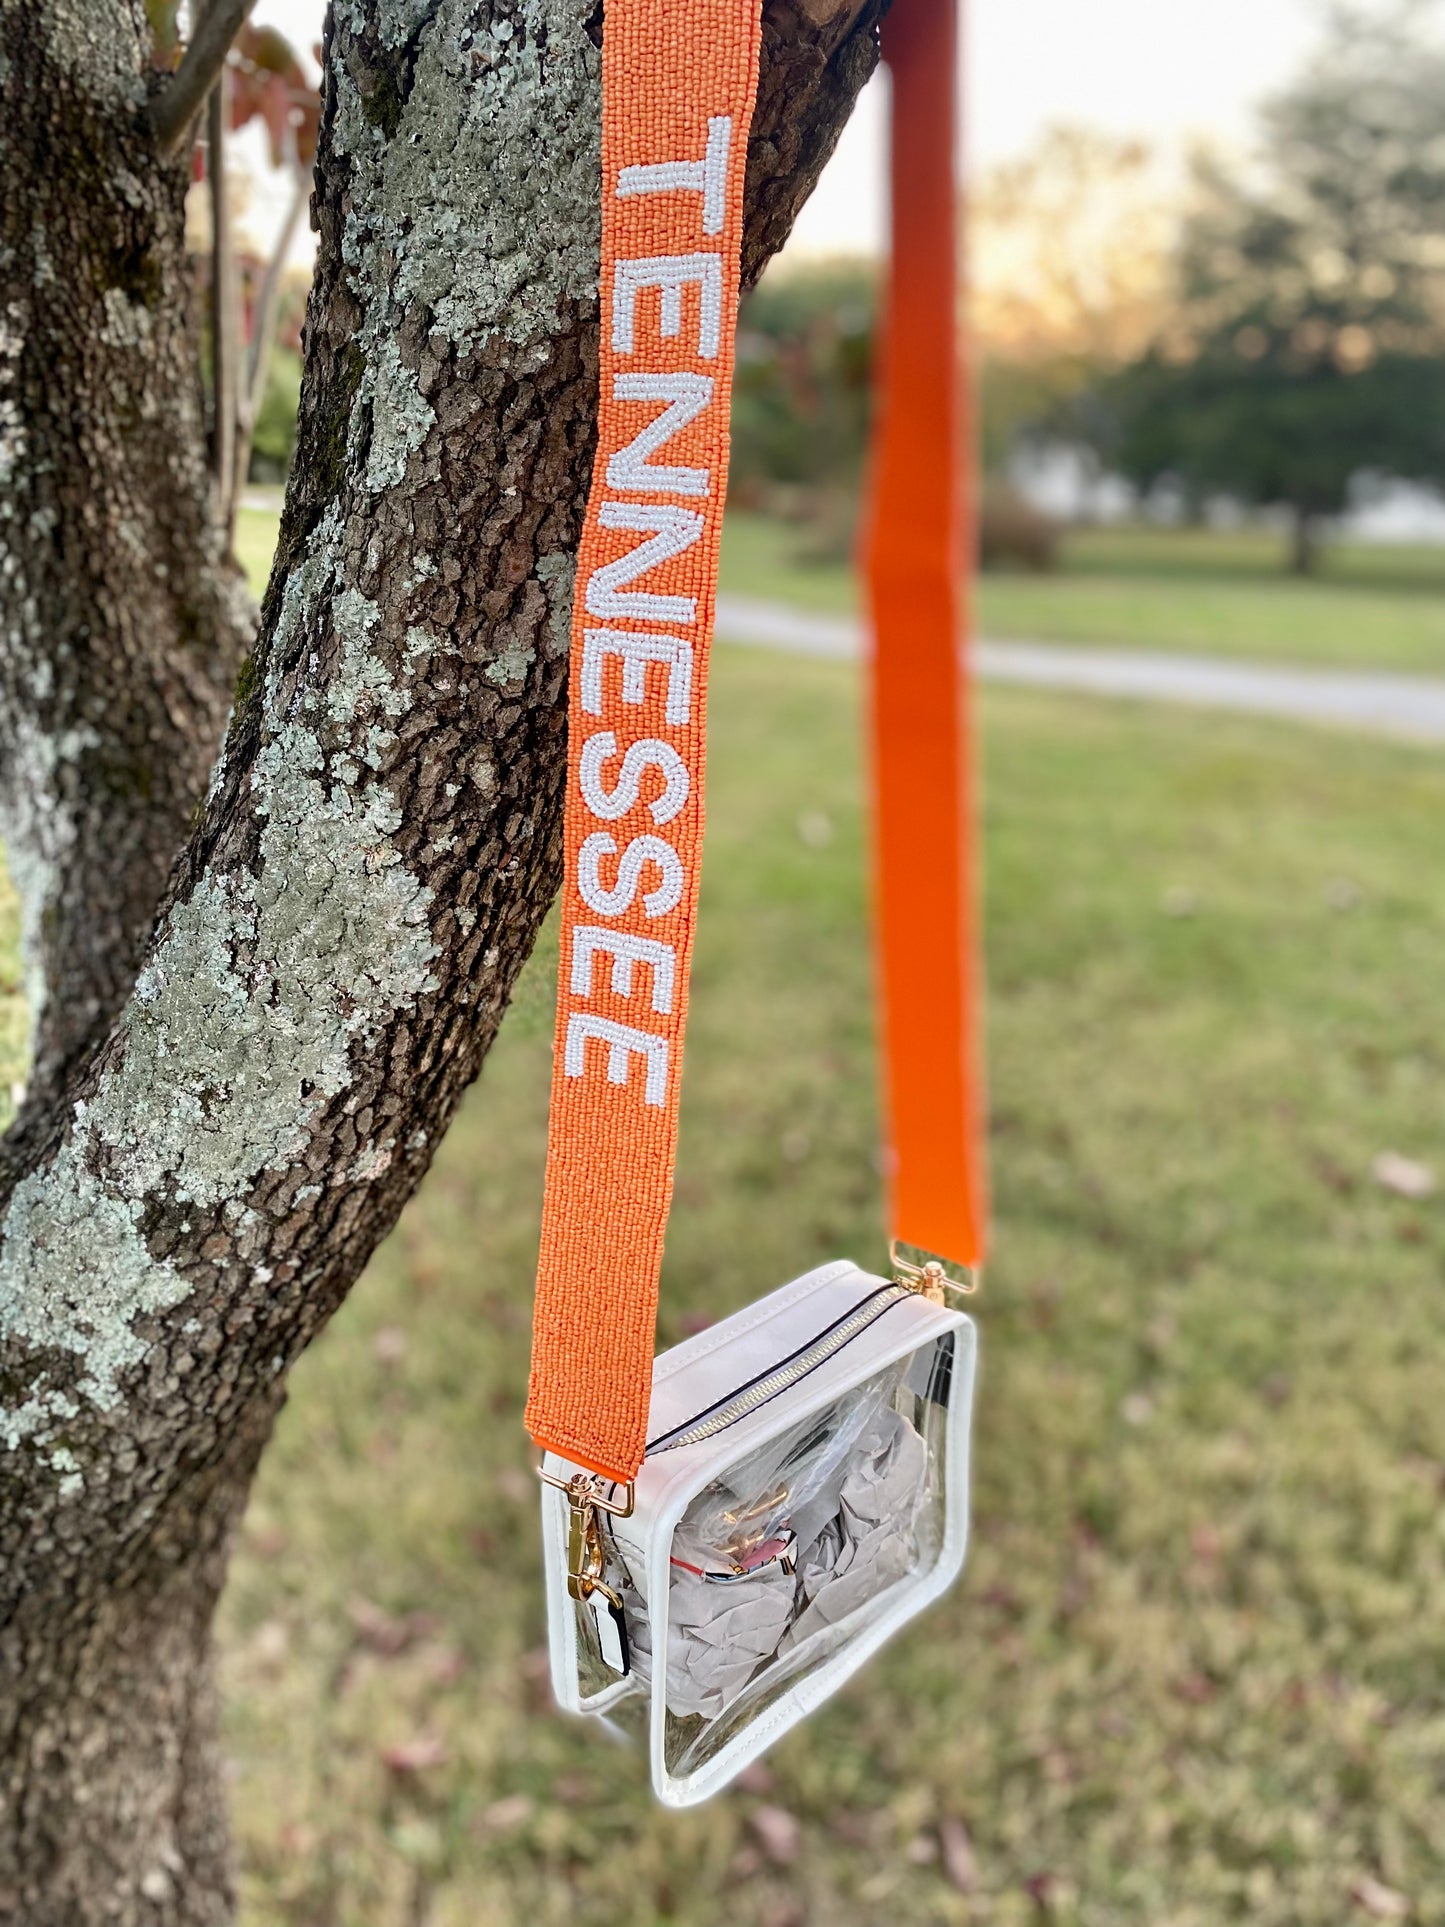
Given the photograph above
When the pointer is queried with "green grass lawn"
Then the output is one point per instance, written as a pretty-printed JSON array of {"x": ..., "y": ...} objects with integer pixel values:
[
  {"x": 1195, "y": 1672},
  {"x": 255, "y": 541},
  {"x": 1206, "y": 593}
]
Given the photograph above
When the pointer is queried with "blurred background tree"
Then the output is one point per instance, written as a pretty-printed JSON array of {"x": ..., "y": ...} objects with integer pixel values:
[
  {"x": 1071, "y": 265},
  {"x": 254, "y": 302},
  {"x": 269, "y": 83},
  {"x": 1261, "y": 332},
  {"x": 1070, "y": 256},
  {"x": 800, "y": 397},
  {"x": 1265, "y": 330},
  {"x": 1306, "y": 340}
]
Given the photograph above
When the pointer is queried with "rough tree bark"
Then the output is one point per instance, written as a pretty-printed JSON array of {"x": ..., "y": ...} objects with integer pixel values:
[{"x": 231, "y": 1105}]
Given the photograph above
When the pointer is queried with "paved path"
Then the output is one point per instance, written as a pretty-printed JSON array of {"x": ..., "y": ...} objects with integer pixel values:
[{"x": 1412, "y": 706}]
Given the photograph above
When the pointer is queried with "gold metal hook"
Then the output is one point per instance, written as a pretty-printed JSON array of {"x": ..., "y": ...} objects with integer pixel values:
[
  {"x": 929, "y": 1279},
  {"x": 586, "y": 1555}
]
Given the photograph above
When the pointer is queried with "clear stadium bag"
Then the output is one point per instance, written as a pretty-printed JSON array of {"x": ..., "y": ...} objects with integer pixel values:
[
  {"x": 805, "y": 1491},
  {"x": 731, "y": 1529}
]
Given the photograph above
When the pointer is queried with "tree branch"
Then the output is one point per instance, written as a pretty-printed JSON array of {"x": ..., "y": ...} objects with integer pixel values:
[
  {"x": 174, "y": 109},
  {"x": 225, "y": 311}
]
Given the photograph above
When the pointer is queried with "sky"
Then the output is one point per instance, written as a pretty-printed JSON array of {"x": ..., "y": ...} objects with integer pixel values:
[{"x": 1163, "y": 69}]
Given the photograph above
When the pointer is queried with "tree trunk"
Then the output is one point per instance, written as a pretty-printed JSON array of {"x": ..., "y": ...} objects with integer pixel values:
[
  {"x": 232, "y": 1104},
  {"x": 1303, "y": 541},
  {"x": 122, "y": 632},
  {"x": 112, "y": 1804}
]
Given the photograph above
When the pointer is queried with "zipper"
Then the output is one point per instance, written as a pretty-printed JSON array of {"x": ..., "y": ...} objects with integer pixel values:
[{"x": 784, "y": 1375}]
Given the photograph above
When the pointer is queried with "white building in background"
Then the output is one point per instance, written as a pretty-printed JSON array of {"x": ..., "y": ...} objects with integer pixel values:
[
  {"x": 1383, "y": 509},
  {"x": 1066, "y": 482}
]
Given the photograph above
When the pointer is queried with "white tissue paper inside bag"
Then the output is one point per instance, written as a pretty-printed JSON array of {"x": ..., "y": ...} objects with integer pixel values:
[{"x": 787, "y": 1543}]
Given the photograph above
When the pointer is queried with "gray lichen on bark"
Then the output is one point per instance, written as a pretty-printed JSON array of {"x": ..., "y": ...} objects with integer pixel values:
[
  {"x": 96, "y": 47},
  {"x": 498, "y": 141},
  {"x": 37, "y": 831},
  {"x": 241, "y": 1026}
]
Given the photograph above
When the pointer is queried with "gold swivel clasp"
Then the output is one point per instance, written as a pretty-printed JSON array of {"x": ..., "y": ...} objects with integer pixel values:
[
  {"x": 586, "y": 1554},
  {"x": 929, "y": 1279}
]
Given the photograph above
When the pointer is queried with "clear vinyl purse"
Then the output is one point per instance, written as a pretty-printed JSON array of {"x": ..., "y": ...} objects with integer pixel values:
[
  {"x": 732, "y": 1528},
  {"x": 804, "y": 1493}
]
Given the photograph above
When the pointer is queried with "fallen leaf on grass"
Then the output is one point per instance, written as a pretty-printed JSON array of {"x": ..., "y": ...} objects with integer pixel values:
[
  {"x": 757, "y": 1777},
  {"x": 389, "y": 1345},
  {"x": 534, "y": 1669},
  {"x": 1206, "y": 1543},
  {"x": 265, "y": 1542},
  {"x": 854, "y": 1826},
  {"x": 1043, "y": 1888},
  {"x": 1379, "y": 1901},
  {"x": 572, "y": 1789},
  {"x": 1276, "y": 1390},
  {"x": 271, "y": 1642},
  {"x": 958, "y": 1860},
  {"x": 504, "y": 1816},
  {"x": 416, "y": 1755},
  {"x": 386, "y": 1633},
  {"x": 779, "y": 1834},
  {"x": 444, "y": 1665},
  {"x": 784, "y": 1913},
  {"x": 1196, "y": 1689},
  {"x": 1406, "y": 1177}
]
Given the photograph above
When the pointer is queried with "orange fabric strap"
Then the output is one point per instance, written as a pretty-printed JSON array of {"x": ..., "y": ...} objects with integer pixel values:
[
  {"x": 679, "y": 78},
  {"x": 925, "y": 910}
]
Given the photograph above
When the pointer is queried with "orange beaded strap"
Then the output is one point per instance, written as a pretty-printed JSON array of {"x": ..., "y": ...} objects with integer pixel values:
[
  {"x": 678, "y": 81},
  {"x": 679, "y": 78}
]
